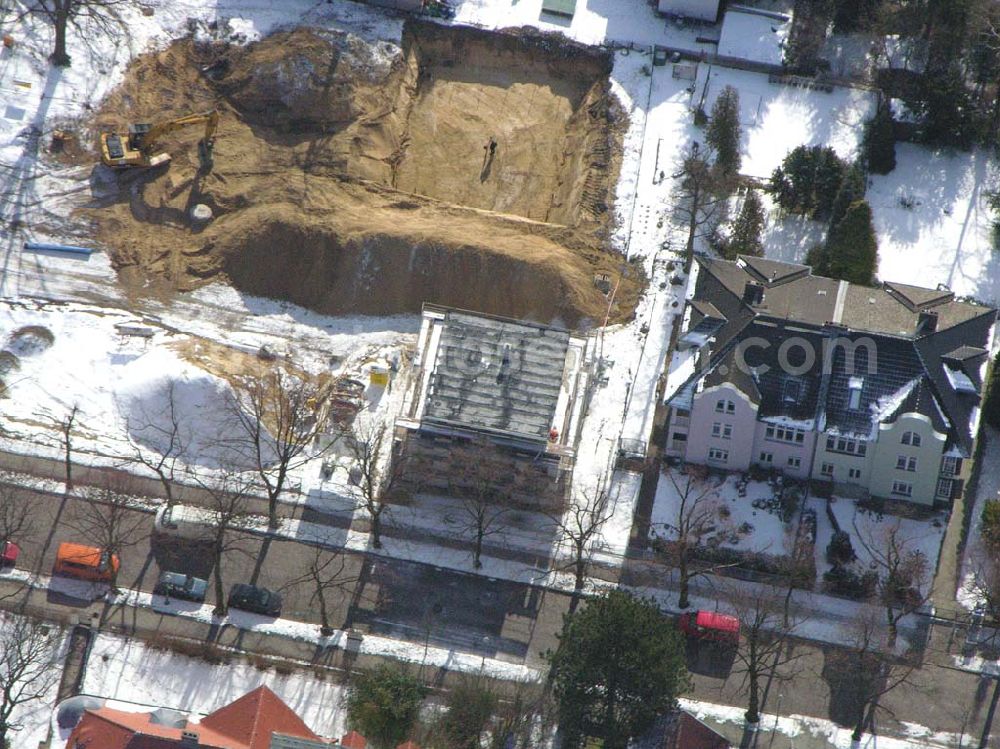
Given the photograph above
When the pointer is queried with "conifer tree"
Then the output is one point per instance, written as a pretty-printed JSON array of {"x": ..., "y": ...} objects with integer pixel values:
[
  {"x": 879, "y": 142},
  {"x": 747, "y": 228},
  {"x": 723, "y": 133}
]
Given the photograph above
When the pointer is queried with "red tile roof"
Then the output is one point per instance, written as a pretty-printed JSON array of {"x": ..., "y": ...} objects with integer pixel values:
[
  {"x": 254, "y": 717},
  {"x": 353, "y": 740},
  {"x": 408, "y": 745},
  {"x": 246, "y": 723},
  {"x": 693, "y": 734}
]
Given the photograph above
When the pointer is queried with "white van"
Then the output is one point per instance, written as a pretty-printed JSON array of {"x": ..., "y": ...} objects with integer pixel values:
[{"x": 192, "y": 523}]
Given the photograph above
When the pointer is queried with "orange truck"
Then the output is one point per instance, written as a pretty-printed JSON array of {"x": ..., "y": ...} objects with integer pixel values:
[{"x": 85, "y": 563}]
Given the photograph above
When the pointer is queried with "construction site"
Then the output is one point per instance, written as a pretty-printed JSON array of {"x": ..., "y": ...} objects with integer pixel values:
[{"x": 465, "y": 168}]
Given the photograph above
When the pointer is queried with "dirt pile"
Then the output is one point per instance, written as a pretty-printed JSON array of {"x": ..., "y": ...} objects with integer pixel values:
[{"x": 352, "y": 177}]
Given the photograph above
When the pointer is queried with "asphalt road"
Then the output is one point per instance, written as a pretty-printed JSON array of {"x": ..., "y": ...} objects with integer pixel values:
[
  {"x": 416, "y": 602},
  {"x": 472, "y": 613}
]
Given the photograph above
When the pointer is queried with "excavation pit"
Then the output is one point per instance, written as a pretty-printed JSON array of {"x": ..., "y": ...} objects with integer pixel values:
[{"x": 357, "y": 177}]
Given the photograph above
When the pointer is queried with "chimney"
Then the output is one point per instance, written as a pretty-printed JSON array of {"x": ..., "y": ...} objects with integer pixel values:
[
  {"x": 753, "y": 293},
  {"x": 927, "y": 321},
  {"x": 189, "y": 738}
]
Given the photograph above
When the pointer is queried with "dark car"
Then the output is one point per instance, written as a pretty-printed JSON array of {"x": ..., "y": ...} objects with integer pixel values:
[
  {"x": 257, "y": 600},
  {"x": 176, "y": 585}
]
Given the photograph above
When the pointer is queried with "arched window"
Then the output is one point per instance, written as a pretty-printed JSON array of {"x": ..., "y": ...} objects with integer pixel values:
[{"x": 911, "y": 438}]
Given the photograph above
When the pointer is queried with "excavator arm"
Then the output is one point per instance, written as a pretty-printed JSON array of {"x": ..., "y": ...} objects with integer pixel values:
[{"x": 135, "y": 149}]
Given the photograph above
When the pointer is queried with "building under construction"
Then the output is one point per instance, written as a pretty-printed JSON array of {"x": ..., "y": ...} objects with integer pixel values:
[{"x": 493, "y": 401}]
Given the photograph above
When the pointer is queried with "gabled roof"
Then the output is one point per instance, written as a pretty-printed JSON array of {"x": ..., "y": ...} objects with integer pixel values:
[
  {"x": 930, "y": 347},
  {"x": 353, "y": 740},
  {"x": 254, "y": 717},
  {"x": 918, "y": 298},
  {"x": 772, "y": 272}
]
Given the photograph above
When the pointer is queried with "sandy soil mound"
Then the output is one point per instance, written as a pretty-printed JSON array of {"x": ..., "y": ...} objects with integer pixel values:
[{"x": 351, "y": 176}]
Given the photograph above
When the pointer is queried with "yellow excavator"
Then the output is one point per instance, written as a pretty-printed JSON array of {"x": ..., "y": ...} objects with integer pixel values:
[{"x": 136, "y": 148}]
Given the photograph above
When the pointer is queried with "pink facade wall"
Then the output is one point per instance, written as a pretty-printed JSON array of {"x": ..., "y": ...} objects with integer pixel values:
[
  {"x": 782, "y": 451},
  {"x": 704, "y": 416}
]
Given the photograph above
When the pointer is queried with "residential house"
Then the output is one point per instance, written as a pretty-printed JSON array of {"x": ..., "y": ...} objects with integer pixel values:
[
  {"x": 257, "y": 720},
  {"x": 489, "y": 390},
  {"x": 678, "y": 729},
  {"x": 875, "y": 389}
]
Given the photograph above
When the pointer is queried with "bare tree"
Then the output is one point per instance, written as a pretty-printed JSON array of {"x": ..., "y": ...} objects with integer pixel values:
[
  {"x": 110, "y": 519},
  {"x": 376, "y": 472},
  {"x": 699, "y": 201},
  {"x": 984, "y": 581},
  {"x": 28, "y": 669},
  {"x": 16, "y": 522},
  {"x": 16, "y": 514},
  {"x": 765, "y": 651},
  {"x": 477, "y": 486},
  {"x": 170, "y": 437},
  {"x": 903, "y": 570},
  {"x": 580, "y": 525},
  {"x": 695, "y": 517},
  {"x": 229, "y": 495},
  {"x": 326, "y": 573},
  {"x": 66, "y": 428},
  {"x": 867, "y": 671},
  {"x": 522, "y": 717},
  {"x": 86, "y": 16},
  {"x": 278, "y": 418}
]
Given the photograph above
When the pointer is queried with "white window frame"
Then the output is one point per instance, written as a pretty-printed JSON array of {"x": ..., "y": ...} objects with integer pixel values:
[
  {"x": 717, "y": 429},
  {"x": 944, "y": 482},
  {"x": 717, "y": 455},
  {"x": 902, "y": 488},
  {"x": 794, "y": 461},
  {"x": 949, "y": 466},
  {"x": 826, "y": 469},
  {"x": 906, "y": 463},
  {"x": 911, "y": 438},
  {"x": 854, "y": 473},
  {"x": 766, "y": 457},
  {"x": 725, "y": 406}
]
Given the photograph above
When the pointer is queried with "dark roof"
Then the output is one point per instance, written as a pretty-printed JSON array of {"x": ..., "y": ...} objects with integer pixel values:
[
  {"x": 496, "y": 374},
  {"x": 918, "y": 298},
  {"x": 957, "y": 406},
  {"x": 920, "y": 367},
  {"x": 772, "y": 272},
  {"x": 707, "y": 309},
  {"x": 920, "y": 400},
  {"x": 680, "y": 730},
  {"x": 965, "y": 353},
  {"x": 728, "y": 371}
]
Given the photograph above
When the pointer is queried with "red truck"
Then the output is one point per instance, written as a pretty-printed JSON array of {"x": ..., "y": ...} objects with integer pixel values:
[{"x": 708, "y": 625}]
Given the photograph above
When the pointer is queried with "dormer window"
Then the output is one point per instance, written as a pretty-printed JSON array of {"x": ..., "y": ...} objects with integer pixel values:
[
  {"x": 911, "y": 438},
  {"x": 792, "y": 391},
  {"x": 854, "y": 386}
]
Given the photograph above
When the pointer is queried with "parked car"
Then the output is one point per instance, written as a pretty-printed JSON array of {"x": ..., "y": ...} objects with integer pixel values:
[
  {"x": 9, "y": 554},
  {"x": 709, "y": 625},
  {"x": 178, "y": 585},
  {"x": 191, "y": 523},
  {"x": 85, "y": 563},
  {"x": 255, "y": 599}
]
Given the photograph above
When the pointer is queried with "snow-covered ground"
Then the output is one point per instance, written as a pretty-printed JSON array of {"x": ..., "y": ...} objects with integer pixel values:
[
  {"x": 739, "y": 523},
  {"x": 617, "y": 22},
  {"x": 777, "y": 117},
  {"x": 30, "y": 720},
  {"x": 988, "y": 490},
  {"x": 129, "y": 671},
  {"x": 869, "y": 531}
]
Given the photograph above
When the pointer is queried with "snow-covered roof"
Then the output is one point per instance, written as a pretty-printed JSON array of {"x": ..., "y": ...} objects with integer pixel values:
[{"x": 749, "y": 34}]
